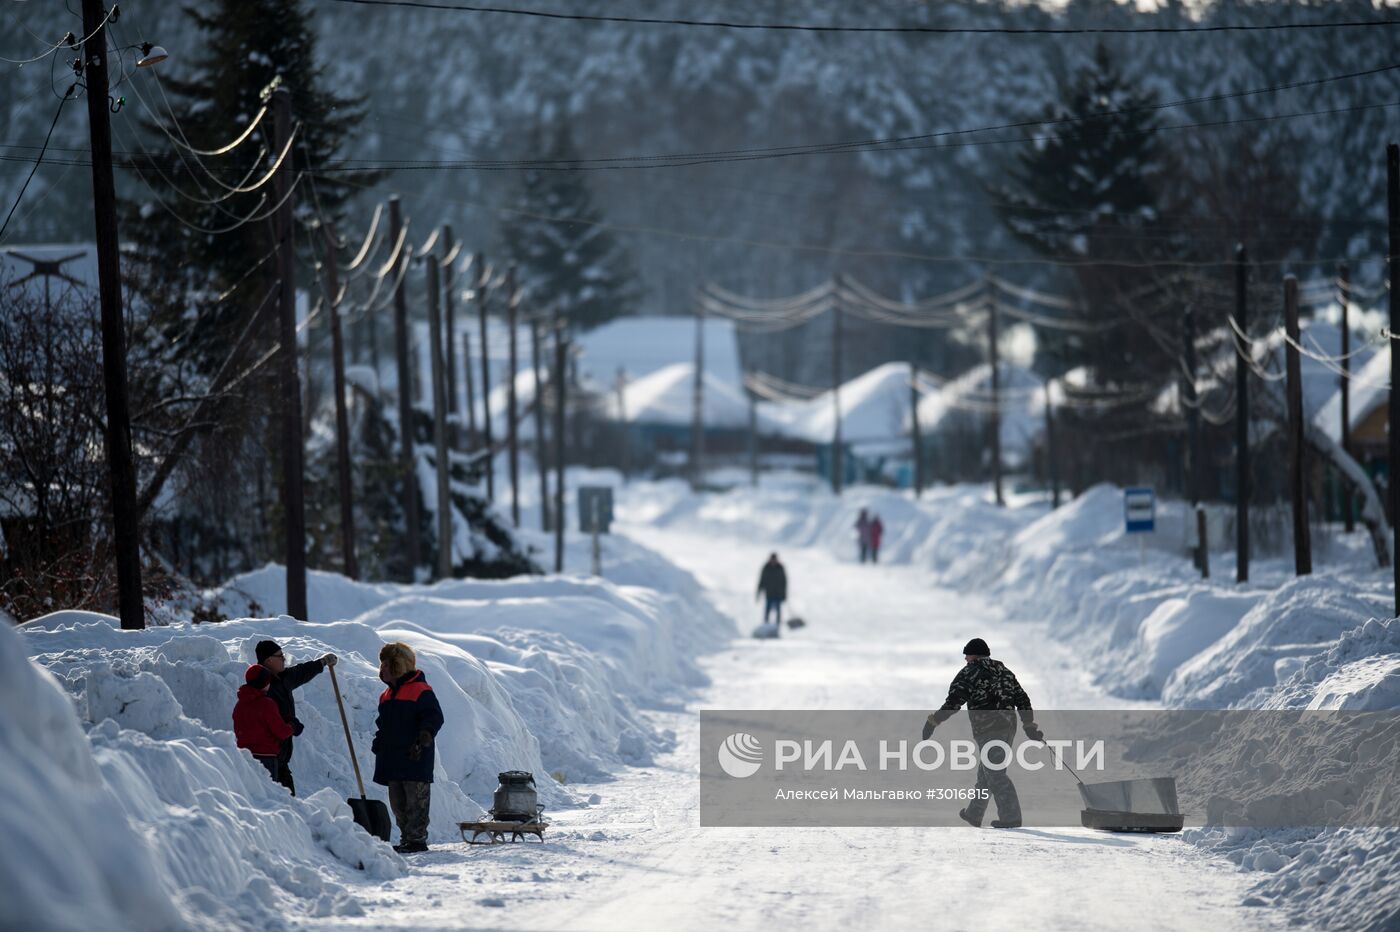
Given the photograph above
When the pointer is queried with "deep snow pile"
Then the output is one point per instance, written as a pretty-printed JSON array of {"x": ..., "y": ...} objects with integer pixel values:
[
  {"x": 545, "y": 675},
  {"x": 1136, "y": 609},
  {"x": 1150, "y": 628}
]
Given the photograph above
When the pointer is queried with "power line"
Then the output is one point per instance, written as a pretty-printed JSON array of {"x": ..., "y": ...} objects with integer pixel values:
[
  {"x": 899, "y": 143},
  {"x": 837, "y": 28},
  {"x": 25, "y": 187}
]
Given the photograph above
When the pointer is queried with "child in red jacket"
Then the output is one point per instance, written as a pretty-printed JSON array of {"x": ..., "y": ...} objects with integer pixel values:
[{"x": 257, "y": 724}]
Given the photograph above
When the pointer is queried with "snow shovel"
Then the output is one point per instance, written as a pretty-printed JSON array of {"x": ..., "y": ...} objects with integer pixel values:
[
  {"x": 370, "y": 814},
  {"x": 1147, "y": 804}
]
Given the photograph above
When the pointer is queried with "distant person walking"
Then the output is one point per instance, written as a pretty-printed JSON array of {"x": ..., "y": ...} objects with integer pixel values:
[
  {"x": 863, "y": 535},
  {"x": 284, "y": 680},
  {"x": 875, "y": 533},
  {"x": 404, "y": 743},
  {"x": 257, "y": 724},
  {"x": 992, "y": 694},
  {"x": 772, "y": 583}
]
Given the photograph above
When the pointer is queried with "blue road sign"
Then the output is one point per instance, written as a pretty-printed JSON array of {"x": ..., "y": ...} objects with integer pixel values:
[{"x": 1139, "y": 510}]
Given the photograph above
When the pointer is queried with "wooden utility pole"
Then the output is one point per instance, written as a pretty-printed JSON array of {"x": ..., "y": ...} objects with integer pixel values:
[
  {"x": 121, "y": 467},
  {"x": 440, "y": 445},
  {"x": 915, "y": 434},
  {"x": 624, "y": 454},
  {"x": 482, "y": 279},
  {"x": 1052, "y": 459},
  {"x": 293, "y": 453},
  {"x": 753, "y": 440},
  {"x": 994, "y": 356},
  {"x": 467, "y": 377},
  {"x": 541, "y": 455},
  {"x": 1298, "y": 471},
  {"x": 561, "y": 378},
  {"x": 1191, "y": 402},
  {"x": 449, "y": 315},
  {"x": 408, "y": 471},
  {"x": 1392, "y": 173},
  {"x": 1242, "y": 360},
  {"x": 342, "y": 417},
  {"x": 1344, "y": 285},
  {"x": 697, "y": 403},
  {"x": 838, "y": 459},
  {"x": 513, "y": 436}
]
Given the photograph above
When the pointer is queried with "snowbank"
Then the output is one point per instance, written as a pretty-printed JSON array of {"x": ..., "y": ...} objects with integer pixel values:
[
  {"x": 69, "y": 861},
  {"x": 545, "y": 675},
  {"x": 1149, "y": 628}
]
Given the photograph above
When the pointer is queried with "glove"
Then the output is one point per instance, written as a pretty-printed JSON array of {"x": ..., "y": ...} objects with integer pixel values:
[
  {"x": 297, "y": 727},
  {"x": 928, "y": 728},
  {"x": 374, "y": 745},
  {"x": 1034, "y": 733}
]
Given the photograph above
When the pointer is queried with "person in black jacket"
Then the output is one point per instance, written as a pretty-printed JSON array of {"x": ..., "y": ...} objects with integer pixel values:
[
  {"x": 284, "y": 680},
  {"x": 993, "y": 697},
  {"x": 409, "y": 720},
  {"x": 772, "y": 582}
]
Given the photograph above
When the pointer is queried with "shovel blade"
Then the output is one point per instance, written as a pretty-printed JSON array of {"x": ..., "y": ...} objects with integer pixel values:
[{"x": 373, "y": 816}]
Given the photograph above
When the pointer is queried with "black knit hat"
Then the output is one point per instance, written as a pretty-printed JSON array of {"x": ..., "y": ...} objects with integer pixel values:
[
  {"x": 257, "y": 676},
  {"x": 266, "y": 649},
  {"x": 977, "y": 648}
]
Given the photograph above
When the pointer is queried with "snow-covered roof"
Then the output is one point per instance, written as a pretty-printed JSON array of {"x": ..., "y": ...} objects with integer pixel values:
[
  {"x": 874, "y": 408},
  {"x": 666, "y": 396},
  {"x": 643, "y": 345},
  {"x": 1370, "y": 388}
]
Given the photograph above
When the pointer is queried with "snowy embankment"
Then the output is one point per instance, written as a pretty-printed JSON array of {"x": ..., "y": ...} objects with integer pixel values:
[
  {"x": 155, "y": 818},
  {"x": 1148, "y": 627}
]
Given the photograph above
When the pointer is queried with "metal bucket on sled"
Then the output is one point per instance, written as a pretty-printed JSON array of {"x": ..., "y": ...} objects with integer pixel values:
[{"x": 1148, "y": 804}]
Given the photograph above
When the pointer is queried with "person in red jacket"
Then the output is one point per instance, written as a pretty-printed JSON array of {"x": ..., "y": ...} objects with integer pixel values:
[
  {"x": 875, "y": 532},
  {"x": 257, "y": 723}
]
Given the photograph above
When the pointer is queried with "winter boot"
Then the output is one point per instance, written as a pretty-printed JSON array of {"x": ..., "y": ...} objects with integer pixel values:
[
  {"x": 998, "y": 823},
  {"x": 975, "y": 823},
  {"x": 411, "y": 847}
]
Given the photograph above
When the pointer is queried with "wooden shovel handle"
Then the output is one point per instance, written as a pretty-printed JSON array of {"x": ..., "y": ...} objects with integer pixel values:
[{"x": 345, "y": 723}]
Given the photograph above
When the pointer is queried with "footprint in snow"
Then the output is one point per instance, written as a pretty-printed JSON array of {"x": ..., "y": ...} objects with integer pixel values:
[{"x": 491, "y": 901}]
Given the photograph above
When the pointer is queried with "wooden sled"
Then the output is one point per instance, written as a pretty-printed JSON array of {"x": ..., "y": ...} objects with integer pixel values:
[{"x": 496, "y": 832}]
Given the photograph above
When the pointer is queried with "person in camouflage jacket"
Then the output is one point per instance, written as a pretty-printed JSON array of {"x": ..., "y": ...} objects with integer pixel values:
[{"x": 993, "y": 696}]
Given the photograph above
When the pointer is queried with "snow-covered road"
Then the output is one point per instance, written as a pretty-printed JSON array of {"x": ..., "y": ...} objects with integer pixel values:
[{"x": 878, "y": 637}]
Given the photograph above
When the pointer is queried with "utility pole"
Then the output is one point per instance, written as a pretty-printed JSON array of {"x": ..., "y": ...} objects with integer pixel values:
[
  {"x": 467, "y": 377},
  {"x": 541, "y": 454},
  {"x": 440, "y": 454},
  {"x": 1052, "y": 460},
  {"x": 697, "y": 403},
  {"x": 624, "y": 454},
  {"x": 561, "y": 361},
  {"x": 408, "y": 473},
  {"x": 753, "y": 440},
  {"x": 293, "y": 453},
  {"x": 512, "y": 309},
  {"x": 916, "y": 435},
  {"x": 1392, "y": 173},
  {"x": 482, "y": 278},
  {"x": 1242, "y": 359},
  {"x": 1193, "y": 435},
  {"x": 121, "y": 467},
  {"x": 994, "y": 356},
  {"x": 1302, "y": 541},
  {"x": 1344, "y": 284},
  {"x": 342, "y": 418},
  {"x": 449, "y": 316},
  {"x": 838, "y": 459}
]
